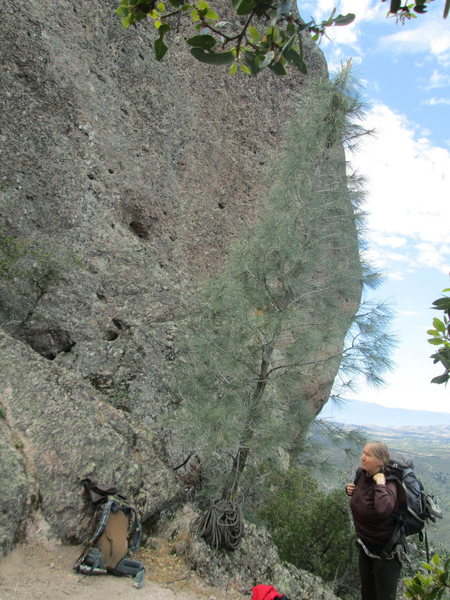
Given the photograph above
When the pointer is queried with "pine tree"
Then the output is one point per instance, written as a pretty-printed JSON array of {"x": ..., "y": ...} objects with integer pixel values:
[{"x": 275, "y": 317}]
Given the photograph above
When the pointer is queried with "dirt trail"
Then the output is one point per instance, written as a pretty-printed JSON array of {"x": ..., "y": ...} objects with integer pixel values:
[{"x": 38, "y": 572}]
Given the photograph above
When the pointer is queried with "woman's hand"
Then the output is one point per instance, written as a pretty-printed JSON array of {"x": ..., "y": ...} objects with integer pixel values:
[
  {"x": 349, "y": 489},
  {"x": 379, "y": 478}
]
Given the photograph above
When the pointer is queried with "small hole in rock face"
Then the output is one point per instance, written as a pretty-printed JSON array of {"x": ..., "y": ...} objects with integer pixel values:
[
  {"x": 118, "y": 323},
  {"x": 111, "y": 171},
  {"x": 111, "y": 335},
  {"x": 48, "y": 342},
  {"x": 221, "y": 204},
  {"x": 101, "y": 297},
  {"x": 113, "y": 226},
  {"x": 139, "y": 229}
]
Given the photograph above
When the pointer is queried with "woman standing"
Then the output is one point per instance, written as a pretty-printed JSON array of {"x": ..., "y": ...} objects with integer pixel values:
[{"x": 373, "y": 504}]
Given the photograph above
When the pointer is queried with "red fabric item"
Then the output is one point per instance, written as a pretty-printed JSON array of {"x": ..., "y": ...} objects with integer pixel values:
[{"x": 265, "y": 592}]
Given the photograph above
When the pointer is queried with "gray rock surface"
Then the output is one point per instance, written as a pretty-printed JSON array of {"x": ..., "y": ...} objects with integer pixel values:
[
  {"x": 126, "y": 180},
  {"x": 13, "y": 485},
  {"x": 255, "y": 561},
  {"x": 64, "y": 433}
]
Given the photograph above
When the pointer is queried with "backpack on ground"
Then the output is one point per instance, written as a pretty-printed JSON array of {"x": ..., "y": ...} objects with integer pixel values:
[
  {"x": 115, "y": 533},
  {"x": 416, "y": 507}
]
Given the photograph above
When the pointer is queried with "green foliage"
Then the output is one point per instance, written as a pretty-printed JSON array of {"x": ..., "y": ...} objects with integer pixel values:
[
  {"x": 312, "y": 529},
  {"x": 263, "y": 34},
  {"x": 432, "y": 583},
  {"x": 441, "y": 337},
  {"x": 409, "y": 10},
  {"x": 272, "y": 321},
  {"x": 268, "y": 33}
]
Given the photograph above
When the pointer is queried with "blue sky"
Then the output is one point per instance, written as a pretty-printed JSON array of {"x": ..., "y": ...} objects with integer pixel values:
[{"x": 405, "y": 72}]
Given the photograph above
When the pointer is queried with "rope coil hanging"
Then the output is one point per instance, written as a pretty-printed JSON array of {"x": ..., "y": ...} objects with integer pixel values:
[{"x": 221, "y": 525}]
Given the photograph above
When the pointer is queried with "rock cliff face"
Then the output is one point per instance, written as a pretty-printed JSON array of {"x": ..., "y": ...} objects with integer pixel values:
[{"x": 126, "y": 179}]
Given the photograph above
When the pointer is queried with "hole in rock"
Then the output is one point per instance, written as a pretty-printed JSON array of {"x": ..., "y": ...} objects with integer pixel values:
[
  {"x": 139, "y": 229},
  {"x": 110, "y": 335}
]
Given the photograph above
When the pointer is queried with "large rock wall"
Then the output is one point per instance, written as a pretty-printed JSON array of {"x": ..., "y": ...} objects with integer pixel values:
[
  {"x": 129, "y": 179},
  {"x": 136, "y": 174}
]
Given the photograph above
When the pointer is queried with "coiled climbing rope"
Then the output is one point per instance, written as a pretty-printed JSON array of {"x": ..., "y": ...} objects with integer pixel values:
[{"x": 221, "y": 525}]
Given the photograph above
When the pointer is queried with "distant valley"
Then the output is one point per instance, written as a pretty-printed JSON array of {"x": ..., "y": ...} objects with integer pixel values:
[{"x": 369, "y": 414}]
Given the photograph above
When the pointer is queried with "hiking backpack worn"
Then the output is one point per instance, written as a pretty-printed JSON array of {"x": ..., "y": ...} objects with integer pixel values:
[
  {"x": 115, "y": 533},
  {"x": 416, "y": 507}
]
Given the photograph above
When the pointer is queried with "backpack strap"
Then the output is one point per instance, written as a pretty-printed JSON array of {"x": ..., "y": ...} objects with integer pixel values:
[
  {"x": 131, "y": 568},
  {"x": 358, "y": 474},
  {"x": 135, "y": 533}
]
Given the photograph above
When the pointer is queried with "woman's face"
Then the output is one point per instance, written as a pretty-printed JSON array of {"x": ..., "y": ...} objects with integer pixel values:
[{"x": 370, "y": 463}]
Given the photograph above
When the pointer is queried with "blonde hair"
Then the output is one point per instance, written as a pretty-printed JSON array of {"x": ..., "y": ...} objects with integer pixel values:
[{"x": 380, "y": 451}]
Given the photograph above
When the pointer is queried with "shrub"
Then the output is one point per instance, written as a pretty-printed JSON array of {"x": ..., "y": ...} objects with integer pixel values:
[
  {"x": 432, "y": 583},
  {"x": 312, "y": 529}
]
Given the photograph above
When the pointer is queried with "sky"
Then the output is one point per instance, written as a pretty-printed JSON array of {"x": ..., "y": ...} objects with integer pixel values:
[{"x": 405, "y": 74}]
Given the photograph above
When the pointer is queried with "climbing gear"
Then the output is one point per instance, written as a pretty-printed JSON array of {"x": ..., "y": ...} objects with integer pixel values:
[{"x": 221, "y": 525}]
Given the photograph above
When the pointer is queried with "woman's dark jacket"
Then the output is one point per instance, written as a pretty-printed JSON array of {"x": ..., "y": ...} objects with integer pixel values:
[{"x": 372, "y": 507}]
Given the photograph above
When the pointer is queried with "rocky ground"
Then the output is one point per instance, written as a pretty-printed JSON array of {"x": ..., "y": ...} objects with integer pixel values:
[{"x": 44, "y": 571}]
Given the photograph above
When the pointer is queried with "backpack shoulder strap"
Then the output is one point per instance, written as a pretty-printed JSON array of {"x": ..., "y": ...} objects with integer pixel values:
[{"x": 358, "y": 474}]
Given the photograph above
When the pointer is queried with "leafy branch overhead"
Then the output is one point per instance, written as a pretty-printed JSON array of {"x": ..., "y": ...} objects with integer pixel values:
[
  {"x": 440, "y": 336},
  {"x": 264, "y": 33},
  {"x": 260, "y": 33}
]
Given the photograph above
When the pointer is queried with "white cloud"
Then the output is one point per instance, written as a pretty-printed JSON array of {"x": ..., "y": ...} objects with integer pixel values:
[
  {"x": 431, "y": 34},
  {"x": 408, "y": 183},
  {"x": 365, "y": 10},
  {"x": 438, "y": 80},
  {"x": 436, "y": 101},
  {"x": 393, "y": 241}
]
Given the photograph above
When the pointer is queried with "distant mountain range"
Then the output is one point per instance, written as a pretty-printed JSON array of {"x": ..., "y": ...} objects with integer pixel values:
[{"x": 368, "y": 414}]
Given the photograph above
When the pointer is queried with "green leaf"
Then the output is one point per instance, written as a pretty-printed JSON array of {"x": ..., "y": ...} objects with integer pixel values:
[
  {"x": 163, "y": 29},
  {"x": 435, "y": 341},
  {"x": 277, "y": 68},
  {"x": 267, "y": 59},
  {"x": 212, "y": 58},
  {"x": 288, "y": 45},
  {"x": 441, "y": 304},
  {"x": 441, "y": 378},
  {"x": 296, "y": 59},
  {"x": 126, "y": 21},
  {"x": 160, "y": 48},
  {"x": 243, "y": 7},
  {"x": 439, "y": 325},
  {"x": 344, "y": 19},
  {"x": 254, "y": 33},
  {"x": 432, "y": 332},
  {"x": 202, "y": 41}
]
